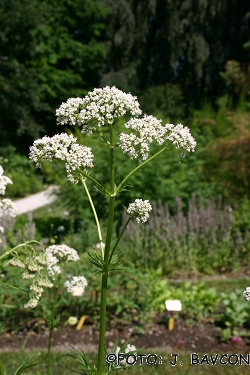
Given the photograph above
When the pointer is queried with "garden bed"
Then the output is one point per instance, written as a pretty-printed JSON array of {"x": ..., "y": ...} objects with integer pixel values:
[{"x": 200, "y": 337}]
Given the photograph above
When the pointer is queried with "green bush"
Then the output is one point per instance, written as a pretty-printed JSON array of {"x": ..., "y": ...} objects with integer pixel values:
[
  {"x": 26, "y": 180},
  {"x": 236, "y": 313}
]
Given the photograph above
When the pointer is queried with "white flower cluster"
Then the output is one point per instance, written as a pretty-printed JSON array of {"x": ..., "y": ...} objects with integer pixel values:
[
  {"x": 7, "y": 207},
  {"x": 76, "y": 286},
  {"x": 56, "y": 253},
  {"x": 37, "y": 287},
  {"x": 180, "y": 136},
  {"x": 4, "y": 181},
  {"x": 102, "y": 105},
  {"x": 146, "y": 130},
  {"x": 246, "y": 294},
  {"x": 140, "y": 210},
  {"x": 33, "y": 267},
  {"x": 62, "y": 147},
  {"x": 129, "y": 348}
]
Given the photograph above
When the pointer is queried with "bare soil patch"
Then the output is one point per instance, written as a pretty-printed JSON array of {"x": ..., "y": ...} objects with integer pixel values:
[{"x": 202, "y": 337}]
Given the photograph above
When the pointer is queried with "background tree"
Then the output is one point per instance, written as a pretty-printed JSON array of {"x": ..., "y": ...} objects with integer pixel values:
[
  {"x": 50, "y": 50},
  {"x": 153, "y": 42}
]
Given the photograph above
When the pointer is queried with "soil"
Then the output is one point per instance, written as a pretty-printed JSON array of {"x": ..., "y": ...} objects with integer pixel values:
[{"x": 201, "y": 337}]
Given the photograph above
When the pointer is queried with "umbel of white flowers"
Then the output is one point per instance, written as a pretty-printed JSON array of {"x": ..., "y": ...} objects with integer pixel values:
[
  {"x": 36, "y": 266},
  {"x": 102, "y": 106}
]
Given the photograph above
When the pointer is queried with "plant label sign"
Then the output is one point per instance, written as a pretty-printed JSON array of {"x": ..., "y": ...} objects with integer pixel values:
[{"x": 173, "y": 305}]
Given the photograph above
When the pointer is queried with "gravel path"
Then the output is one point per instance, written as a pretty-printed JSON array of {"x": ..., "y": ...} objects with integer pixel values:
[{"x": 32, "y": 202}]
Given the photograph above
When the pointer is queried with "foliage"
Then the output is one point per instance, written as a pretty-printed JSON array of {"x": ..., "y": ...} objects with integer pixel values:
[
  {"x": 134, "y": 297},
  {"x": 22, "y": 173},
  {"x": 150, "y": 43},
  {"x": 55, "y": 53},
  {"x": 237, "y": 80},
  {"x": 228, "y": 160},
  {"x": 199, "y": 302},
  {"x": 235, "y": 314},
  {"x": 164, "y": 100}
]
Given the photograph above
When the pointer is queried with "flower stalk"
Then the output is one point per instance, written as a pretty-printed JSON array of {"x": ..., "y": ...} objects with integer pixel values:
[{"x": 101, "y": 107}]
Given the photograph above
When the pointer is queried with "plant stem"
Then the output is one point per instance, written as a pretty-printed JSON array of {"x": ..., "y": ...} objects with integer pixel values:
[
  {"x": 119, "y": 238},
  {"x": 95, "y": 214},
  {"x": 51, "y": 328},
  {"x": 96, "y": 183},
  {"x": 16, "y": 247},
  {"x": 106, "y": 257},
  {"x": 1, "y": 368},
  {"x": 120, "y": 186}
]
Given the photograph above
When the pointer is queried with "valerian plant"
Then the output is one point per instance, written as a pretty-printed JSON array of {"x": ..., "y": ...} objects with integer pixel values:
[
  {"x": 40, "y": 268},
  {"x": 27, "y": 256},
  {"x": 95, "y": 114}
]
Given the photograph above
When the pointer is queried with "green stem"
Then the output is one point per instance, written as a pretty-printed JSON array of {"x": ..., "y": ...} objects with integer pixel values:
[
  {"x": 106, "y": 257},
  {"x": 95, "y": 214},
  {"x": 16, "y": 247},
  {"x": 51, "y": 328},
  {"x": 1, "y": 368},
  {"x": 120, "y": 186},
  {"x": 118, "y": 239},
  {"x": 13, "y": 287},
  {"x": 96, "y": 183}
]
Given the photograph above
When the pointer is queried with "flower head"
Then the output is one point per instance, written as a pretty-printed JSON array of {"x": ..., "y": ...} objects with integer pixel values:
[
  {"x": 55, "y": 253},
  {"x": 139, "y": 209},
  {"x": 246, "y": 294},
  {"x": 180, "y": 136},
  {"x": 148, "y": 129},
  {"x": 129, "y": 348},
  {"x": 62, "y": 147},
  {"x": 7, "y": 207},
  {"x": 145, "y": 130},
  {"x": 76, "y": 286},
  {"x": 32, "y": 303},
  {"x": 101, "y": 105}
]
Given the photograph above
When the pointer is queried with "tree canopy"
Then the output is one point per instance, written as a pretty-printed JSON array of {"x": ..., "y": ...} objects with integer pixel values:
[{"x": 165, "y": 50}]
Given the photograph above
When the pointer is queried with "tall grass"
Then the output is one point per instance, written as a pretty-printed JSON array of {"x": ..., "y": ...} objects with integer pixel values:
[{"x": 202, "y": 240}]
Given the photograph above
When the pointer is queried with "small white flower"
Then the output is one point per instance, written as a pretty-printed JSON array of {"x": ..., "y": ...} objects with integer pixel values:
[
  {"x": 246, "y": 294},
  {"x": 76, "y": 286},
  {"x": 140, "y": 210}
]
